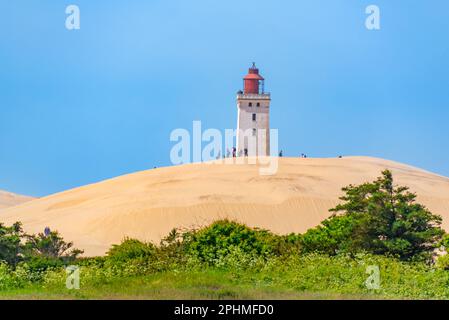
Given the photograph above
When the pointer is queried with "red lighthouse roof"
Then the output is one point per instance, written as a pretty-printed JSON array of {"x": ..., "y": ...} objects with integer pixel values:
[
  {"x": 253, "y": 74},
  {"x": 252, "y": 80}
]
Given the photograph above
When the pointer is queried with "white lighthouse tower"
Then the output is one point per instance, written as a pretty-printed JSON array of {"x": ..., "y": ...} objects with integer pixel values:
[{"x": 253, "y": 120}]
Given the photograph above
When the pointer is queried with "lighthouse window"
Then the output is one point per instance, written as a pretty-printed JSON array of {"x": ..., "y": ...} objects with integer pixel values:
[
  {"x": 258, "y": 104},
  {"x": 254, "y": 131},
  {"x": 254, "y": 117},
  {"x": 250, "y": 104}
]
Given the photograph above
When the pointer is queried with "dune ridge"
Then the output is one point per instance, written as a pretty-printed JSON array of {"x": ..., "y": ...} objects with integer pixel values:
[
  {"x": 148, "y": 204},
  {"x": 8, "y": 199}
]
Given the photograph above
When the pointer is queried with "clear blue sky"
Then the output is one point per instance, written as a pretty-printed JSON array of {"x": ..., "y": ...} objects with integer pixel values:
[{"x": 78, "y": 107}]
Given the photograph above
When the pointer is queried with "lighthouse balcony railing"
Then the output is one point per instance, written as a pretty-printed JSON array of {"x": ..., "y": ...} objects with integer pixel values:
[{"x": 254, "y": 96}]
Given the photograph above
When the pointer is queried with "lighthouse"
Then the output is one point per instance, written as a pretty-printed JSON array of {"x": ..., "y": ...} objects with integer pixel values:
[{"x": 253, "y": 116}]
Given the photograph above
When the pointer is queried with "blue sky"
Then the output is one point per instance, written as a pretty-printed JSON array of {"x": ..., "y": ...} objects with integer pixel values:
[{"x": 78, "y": 107}]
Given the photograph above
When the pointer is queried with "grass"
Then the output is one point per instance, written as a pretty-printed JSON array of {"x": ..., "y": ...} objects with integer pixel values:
[
  {"x": 210, "y": 284},
  {"x": 227, "y": 263},
  {"x": 297, "y": 277}
]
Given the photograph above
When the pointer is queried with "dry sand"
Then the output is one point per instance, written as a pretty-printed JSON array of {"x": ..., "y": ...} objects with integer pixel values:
[
  {"x": 8, "y": 199},
  {"x": 147, "y": 205}
]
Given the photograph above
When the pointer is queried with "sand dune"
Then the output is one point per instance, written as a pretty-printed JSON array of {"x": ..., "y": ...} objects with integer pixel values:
[
  {"x": 147, "y": 205},
  {"x": 8, "y": 199}
]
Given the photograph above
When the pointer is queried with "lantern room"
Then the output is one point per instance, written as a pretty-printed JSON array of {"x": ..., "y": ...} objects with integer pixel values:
[{"x": 253, "y": 82}]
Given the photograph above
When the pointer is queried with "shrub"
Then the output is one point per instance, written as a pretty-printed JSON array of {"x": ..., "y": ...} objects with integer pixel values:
[
  {"x": 222, "y": 237},
  {"x": 130, "y": 249},
  {"x": 50, "y": 247},
  {"x": 10, "y": 243},
  {"x": 443, "y": 262},
  {"x": 91, "y": 261},
  {"x": 40, "y": 264},
  {"x": 10, "y": 279},
  {"x": 332, "y": 237},
  {"x": 41, "y": 251},
  {"x": 379, "y": 218},
  {"x": 48, "y": 251}
]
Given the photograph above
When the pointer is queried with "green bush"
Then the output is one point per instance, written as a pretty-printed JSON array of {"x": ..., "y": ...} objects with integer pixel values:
[
  {"x": 223, "y": 237},
  {"x": 10, "y": 279},
  {"x": 50, "y": 246},
  {"x": 379, "y": 218},
  {"x": 376, "y": 225},
  {"x": 246, "y": 257},
  {"x": 41, "y": 251},
  {"x": 40, "y": 264},
  {"x": 443, "y": 262},
  {"x": 91, "y": 261},
  {"x": 332, "y": 237},
  {"x": 130, "y": 249},
  {"x": 10, "y": 243}
]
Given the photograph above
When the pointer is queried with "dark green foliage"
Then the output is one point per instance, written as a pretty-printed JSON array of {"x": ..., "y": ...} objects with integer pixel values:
[
  {"x": 91, "y": 261},
  {"x": 286, "y": 245},
  {"x": 172, "y": 250},
  {"x": 240, "y": 258},
  {"x": 39, "y": 252},
  {"x": 379, "y": 218},
  {"x": 332, "y": 237},
  {"x": 130, "y": 249},
  {"x": 51, "y": 246},
  {"x": 375, "y": 224},
  {"x": 10, "y": 243},
  {"x": 444, "y": 243},
  {"x": 220, "y": 238},
  {"x": 41, "y": 263},
  {"x": 443, "y": 260}
]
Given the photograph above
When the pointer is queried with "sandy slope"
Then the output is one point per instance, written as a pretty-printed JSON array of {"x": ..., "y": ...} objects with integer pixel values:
[
  {"x": 148, "y": 204},
  {"x": 8, "y": 199}
]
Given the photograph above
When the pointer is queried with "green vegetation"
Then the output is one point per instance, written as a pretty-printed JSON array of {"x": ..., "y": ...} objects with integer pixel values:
[
  {"x": 381, "y": 219},
  {"x": 239, "y": 276},
  {"x": 37, "y": 252},
  {"x": 376, "y": 225},
  {"x": 223, "y": 238}
]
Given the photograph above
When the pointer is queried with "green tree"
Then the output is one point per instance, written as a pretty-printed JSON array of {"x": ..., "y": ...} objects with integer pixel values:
[
  {"x": 380, "y": 218},
  {"x": 10, "y": 243},
  {"x": 51, "y": 246},
  {"x": 38, "y": 251},
  {"x": 334, "y": 235}
]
